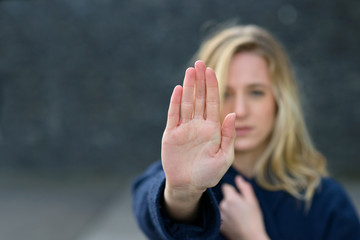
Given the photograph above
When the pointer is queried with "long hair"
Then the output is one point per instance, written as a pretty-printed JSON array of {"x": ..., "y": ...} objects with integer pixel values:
[{"x": 290, "y": 162}]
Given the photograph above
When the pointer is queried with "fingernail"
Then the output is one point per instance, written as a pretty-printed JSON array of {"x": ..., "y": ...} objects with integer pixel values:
[{"x": 225, "y": 185}]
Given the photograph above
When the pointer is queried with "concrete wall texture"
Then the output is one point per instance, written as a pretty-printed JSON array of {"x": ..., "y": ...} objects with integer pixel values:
[{"x": 85, "y": 84}]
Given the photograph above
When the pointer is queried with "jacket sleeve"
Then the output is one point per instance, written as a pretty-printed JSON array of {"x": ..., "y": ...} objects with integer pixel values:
[{"x": 148, "y": 207}]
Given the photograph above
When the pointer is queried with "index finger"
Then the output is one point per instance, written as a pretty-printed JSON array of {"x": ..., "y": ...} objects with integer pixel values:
[
  {"x": 212, "y": 96},
  {"x": 228, "y": 191},
  {"x": 245, "y": 188}
]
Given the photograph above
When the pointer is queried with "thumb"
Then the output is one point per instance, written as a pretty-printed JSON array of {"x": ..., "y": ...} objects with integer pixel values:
[{"x": 228, "y": 135}]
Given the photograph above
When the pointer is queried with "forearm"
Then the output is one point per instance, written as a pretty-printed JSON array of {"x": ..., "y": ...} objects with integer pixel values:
[
  {"x": 147, "y": 190},
  {"x": 149, "y": 206}
]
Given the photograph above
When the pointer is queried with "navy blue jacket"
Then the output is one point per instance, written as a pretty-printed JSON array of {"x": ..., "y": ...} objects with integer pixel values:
[{"x": 331, "y": 216}]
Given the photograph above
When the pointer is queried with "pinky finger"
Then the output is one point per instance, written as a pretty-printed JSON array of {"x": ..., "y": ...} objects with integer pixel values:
[{"x": 174, "y": 108}]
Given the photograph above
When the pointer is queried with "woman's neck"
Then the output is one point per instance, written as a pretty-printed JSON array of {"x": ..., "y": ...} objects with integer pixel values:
[{"x": 245, "y": 161}]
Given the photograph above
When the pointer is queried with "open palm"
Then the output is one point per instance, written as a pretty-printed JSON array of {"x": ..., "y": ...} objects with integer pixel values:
[{"x": 196, "y": 149}]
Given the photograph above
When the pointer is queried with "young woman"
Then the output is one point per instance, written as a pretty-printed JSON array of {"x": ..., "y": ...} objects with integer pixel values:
[{"x": 237, "y": 161}]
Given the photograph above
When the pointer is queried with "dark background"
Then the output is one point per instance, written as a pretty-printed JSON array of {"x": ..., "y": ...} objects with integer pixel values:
[{"x": 85, "y": 84}]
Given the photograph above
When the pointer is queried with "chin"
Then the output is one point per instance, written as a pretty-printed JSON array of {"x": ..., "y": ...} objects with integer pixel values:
[
  {"x": 244, "y": 146},
  {"x": 249, "y": 145}
]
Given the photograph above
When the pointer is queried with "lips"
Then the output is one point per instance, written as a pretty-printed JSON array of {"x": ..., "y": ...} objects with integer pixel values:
[{"x": 242, "y": 131}]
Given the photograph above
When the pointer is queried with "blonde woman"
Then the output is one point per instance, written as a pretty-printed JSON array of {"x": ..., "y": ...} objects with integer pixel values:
[{"x": 237, "y": 161}]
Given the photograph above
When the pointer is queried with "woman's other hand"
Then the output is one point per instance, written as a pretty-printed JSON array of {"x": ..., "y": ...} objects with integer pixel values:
[{"x": 241, "y": 216}]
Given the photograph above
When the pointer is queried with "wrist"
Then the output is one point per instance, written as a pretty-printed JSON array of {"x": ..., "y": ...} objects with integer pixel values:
[
  {"x": 182, "y": 195},
  {"x": 258, "y": 236},
  {"x": 187, "y": 193},
  {"x": 182, "y": 204}
]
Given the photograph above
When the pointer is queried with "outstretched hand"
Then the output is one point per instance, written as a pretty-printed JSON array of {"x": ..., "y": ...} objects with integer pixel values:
[{"x": 196, "y": 149}]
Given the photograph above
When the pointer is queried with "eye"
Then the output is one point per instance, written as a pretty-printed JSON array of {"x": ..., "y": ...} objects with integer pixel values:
[
  {"x": 257, "y": 93},
  {"x": 227, "y": 95}
]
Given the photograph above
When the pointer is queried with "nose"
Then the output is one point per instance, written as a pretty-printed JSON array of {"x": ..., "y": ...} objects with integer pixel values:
[{"x": 241, "y": 109}]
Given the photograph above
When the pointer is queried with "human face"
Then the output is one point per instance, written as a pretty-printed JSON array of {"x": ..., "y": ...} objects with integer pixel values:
[{"x": 249, "y": 94}]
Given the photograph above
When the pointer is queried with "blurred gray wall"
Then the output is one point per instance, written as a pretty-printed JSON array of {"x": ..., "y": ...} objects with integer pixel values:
[{"x": 85, "y": 84}]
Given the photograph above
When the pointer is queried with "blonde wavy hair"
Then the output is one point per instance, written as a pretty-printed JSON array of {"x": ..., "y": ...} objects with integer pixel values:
[{"x": 290, "y": 162}]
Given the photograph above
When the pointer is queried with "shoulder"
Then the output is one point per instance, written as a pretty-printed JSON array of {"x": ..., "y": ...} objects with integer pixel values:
[
  {"x": 333, "y": 213},
  {"x": 331, "y": 201},
  {"x": 330, "y": 190},
  {"x": 335, "y": 210},
  {"x": 330, "y": 195},
  {"x": 330, "y": 186}
]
